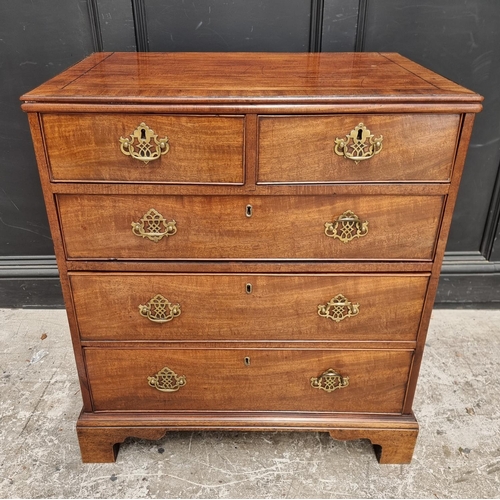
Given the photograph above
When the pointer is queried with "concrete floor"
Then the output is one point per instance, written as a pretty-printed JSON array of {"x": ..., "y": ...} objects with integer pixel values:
[{"x": 457, "y": 453}]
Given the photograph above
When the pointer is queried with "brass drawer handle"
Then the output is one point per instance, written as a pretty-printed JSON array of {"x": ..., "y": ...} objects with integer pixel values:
[
  {"x": 167, "y": 380},
  {"x": 144, "y": 145},
  {"x": 330, "y": 381},
  {"x": 346, "y": 227},
  {"x": 154, "y": 226},
  {"x": 160, "y": 310},
  {"x": 338, "y": 308},
  {"x": 358, "y": 145}
]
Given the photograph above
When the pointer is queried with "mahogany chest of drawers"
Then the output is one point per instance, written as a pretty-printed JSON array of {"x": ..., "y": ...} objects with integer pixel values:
[{"x": 249, "y": 241}]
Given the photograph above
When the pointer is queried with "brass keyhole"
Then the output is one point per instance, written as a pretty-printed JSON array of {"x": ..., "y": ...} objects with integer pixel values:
[
  {"x": 247, "y": 360},
  {"x": 249, "y": 211},
  {"x": 143, "y": 134},
  {"x": 360, "y": 134},
  {"x": 249, "y": 288}
]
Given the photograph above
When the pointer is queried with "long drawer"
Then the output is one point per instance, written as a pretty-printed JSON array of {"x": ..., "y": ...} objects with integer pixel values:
[
  {"x": 250, "y": 227},
  {"x": 375, "y": 148},
  {"x": 371, "y": 381},
  {"x": 153, "y": 148},
  {"x": 247, "y": 307}
]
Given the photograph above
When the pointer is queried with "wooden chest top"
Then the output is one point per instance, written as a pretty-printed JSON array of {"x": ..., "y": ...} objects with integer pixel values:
[{"x": 250, "y": 78}]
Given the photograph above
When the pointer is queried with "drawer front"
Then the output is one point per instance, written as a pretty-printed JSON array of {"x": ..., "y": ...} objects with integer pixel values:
[
  {"x": 302, "y": 148},
  {"x": 87, "y": 147},
  {"x": 241, "y": 379},
  {"x": 247, "y": 307},
  {"x": 280, "y": 227}
]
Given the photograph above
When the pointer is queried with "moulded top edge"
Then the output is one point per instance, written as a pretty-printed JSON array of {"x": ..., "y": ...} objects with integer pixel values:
[{"x": 249, "y": 78}]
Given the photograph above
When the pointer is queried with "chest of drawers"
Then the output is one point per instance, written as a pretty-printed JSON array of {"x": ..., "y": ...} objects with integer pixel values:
[{"x": 249, "y": 241}]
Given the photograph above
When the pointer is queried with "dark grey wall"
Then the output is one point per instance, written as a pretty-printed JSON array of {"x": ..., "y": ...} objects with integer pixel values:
[
  {"x": 460, "y": 40},
  {"x": 239, "y": 25}
]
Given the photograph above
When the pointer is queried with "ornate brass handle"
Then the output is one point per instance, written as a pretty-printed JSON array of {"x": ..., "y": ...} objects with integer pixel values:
[
  {"x": 144, "y": 145},
  {"x": 167, "y": 380},
  {"x": 338, "y": 308},
  {"x": 358, "y": 145},
  {"x": 346, "y": 227},
  {"x": 330, "y": 381},
  {"x": 154, "y": 226},
  {"x": 160, "y": 310}
]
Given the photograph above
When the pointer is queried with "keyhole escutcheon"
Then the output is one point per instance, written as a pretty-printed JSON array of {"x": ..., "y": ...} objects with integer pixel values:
[
  {"x": 249, "y": 288},
  {"x": 249, "y": 211},
  {"x": 247, "y": 360}
]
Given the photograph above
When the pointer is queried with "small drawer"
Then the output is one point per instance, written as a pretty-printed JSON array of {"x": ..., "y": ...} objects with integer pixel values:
[
  {"x": 250, "y": 227},
  {"x": 174, "y": 307},
  {"x": 371, "y": 381},
  {"x": 376, "y": 148},
  {"x": 145, "y": 148}
]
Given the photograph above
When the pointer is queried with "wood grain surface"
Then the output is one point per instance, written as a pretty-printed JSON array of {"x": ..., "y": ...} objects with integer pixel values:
[
  {"x": 216, "y": 227},
  {"x": 274, "y": 380},
  {"x": 202, "y": 149},
  {"x": 100, "y": 434},
  {"x": 417, "y": 147},
  {"x": 218, "y": 307},
  {"x": 248, "y": 77}
]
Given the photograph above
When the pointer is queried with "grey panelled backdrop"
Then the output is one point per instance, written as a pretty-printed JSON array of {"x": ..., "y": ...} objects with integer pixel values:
[{"x": 458, "y": 39}]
